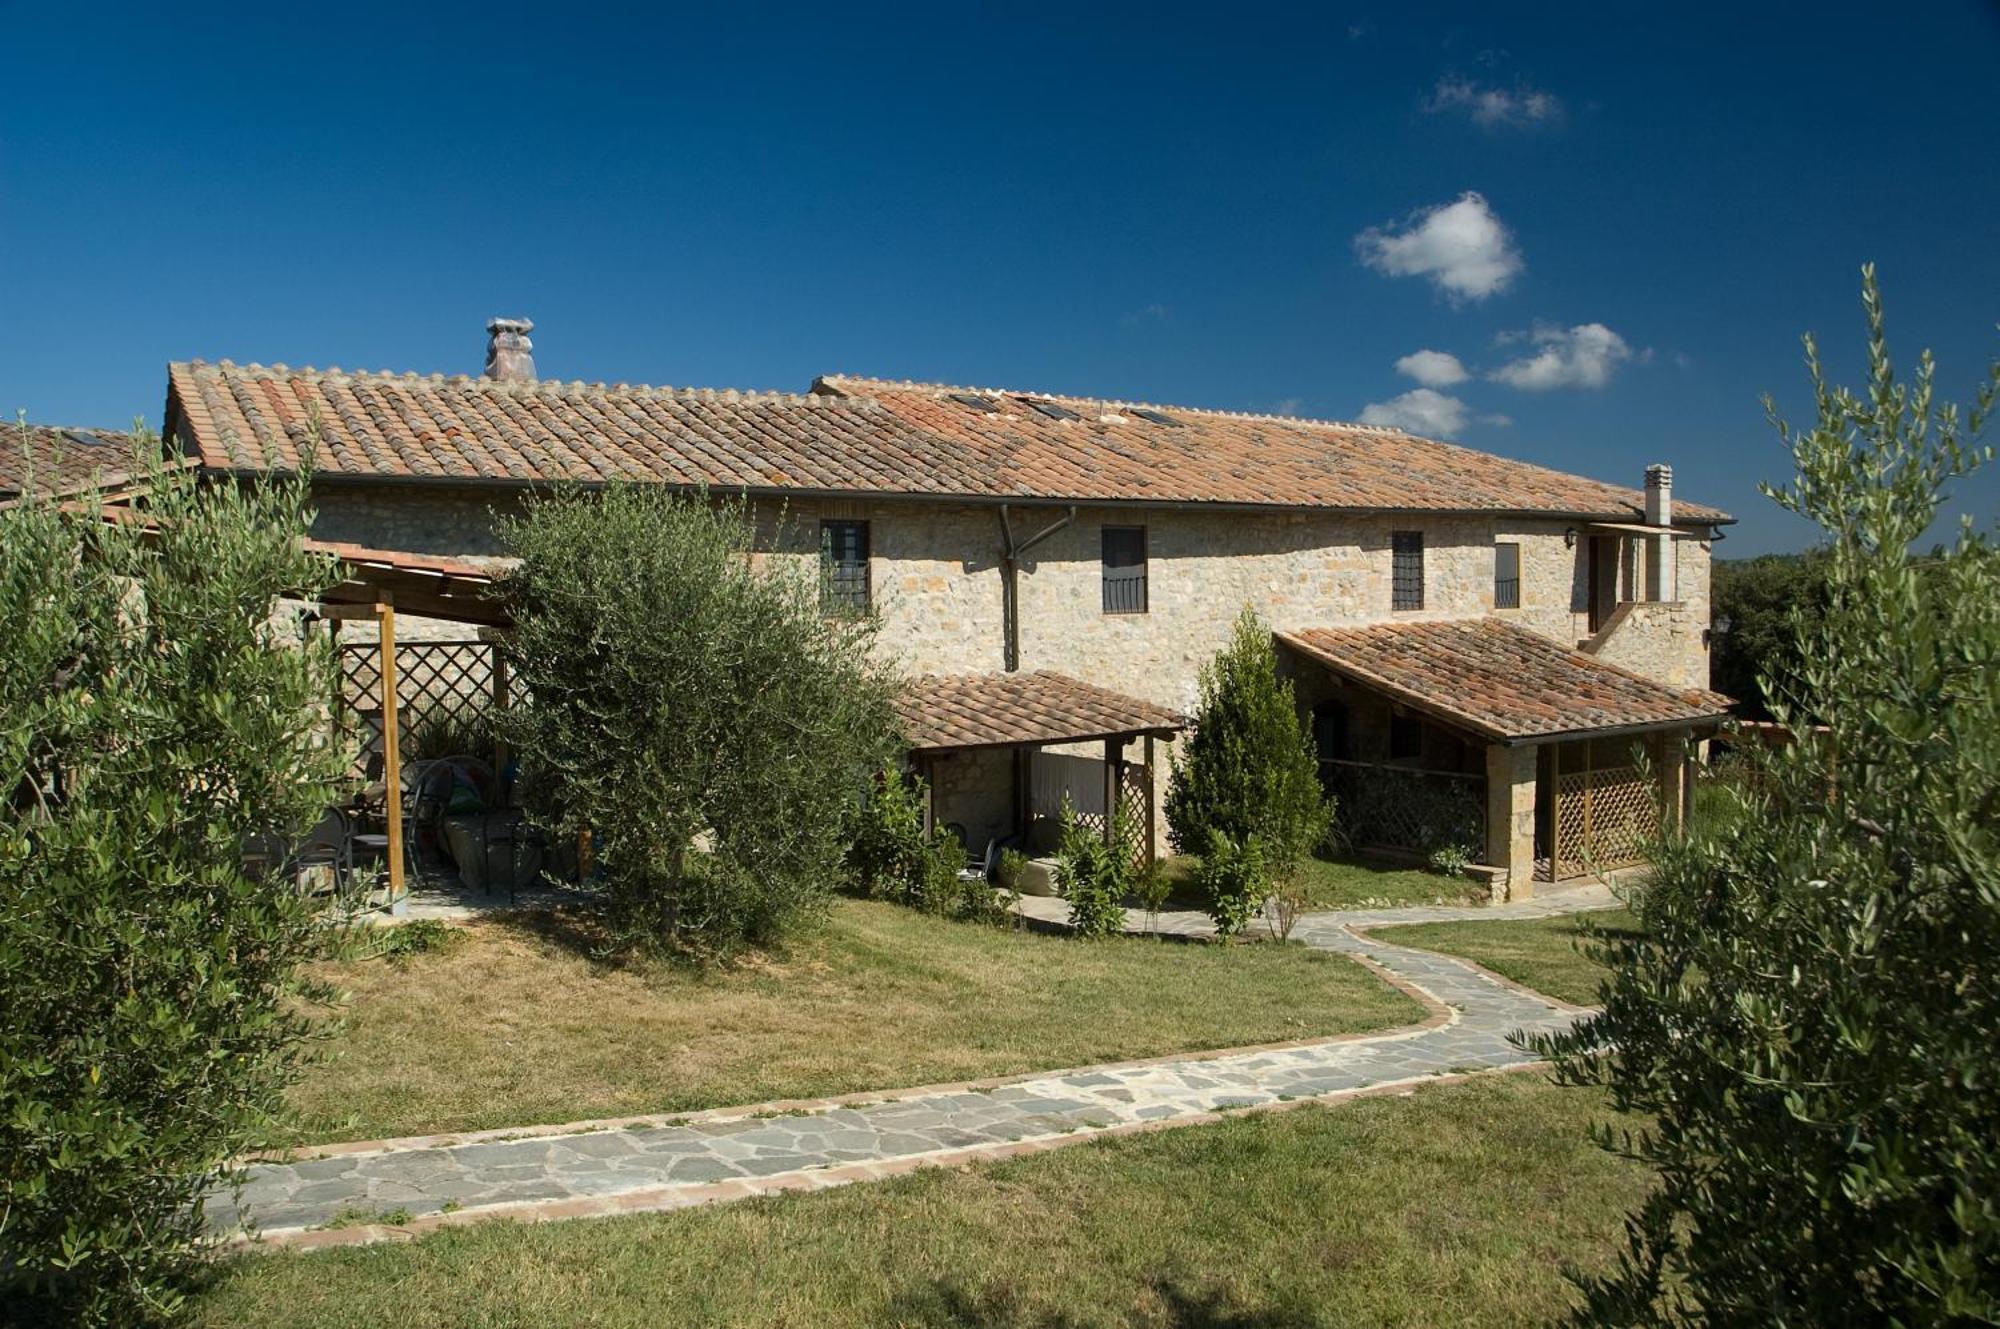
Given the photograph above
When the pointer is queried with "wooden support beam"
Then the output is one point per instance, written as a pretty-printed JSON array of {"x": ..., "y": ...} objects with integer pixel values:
[
  {"x": 499, "y": 672},
  {"x": 392, "y": 761},
  {"x": 1114, "y": 750},
  {"x": 349, "y": 613},
  {"x": 1152, "y": 804}
]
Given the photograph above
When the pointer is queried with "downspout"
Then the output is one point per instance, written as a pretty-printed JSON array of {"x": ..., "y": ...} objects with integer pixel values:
[{"x": 1010, "y": 584}]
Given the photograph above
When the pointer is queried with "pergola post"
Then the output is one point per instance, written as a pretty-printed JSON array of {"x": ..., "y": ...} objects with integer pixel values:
[
  {"x": 1510, "y": 815},
  {"x": 1114, "y": 757},
  {"x": 499, "y": 672},
  {"x": 392, "y": 761},
  {"x": 1152, "y": 805}
]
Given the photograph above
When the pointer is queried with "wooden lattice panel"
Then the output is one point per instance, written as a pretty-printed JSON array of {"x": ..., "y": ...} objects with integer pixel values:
[
  {"x": 1400, "y": 808},
  {"x": 451, "y": 679},
  {"x": 1135, "y": 803},
  {"x": 1605, "y": 819}
]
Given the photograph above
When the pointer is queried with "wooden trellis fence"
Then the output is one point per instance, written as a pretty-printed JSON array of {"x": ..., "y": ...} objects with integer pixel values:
[
  {"x": 1604, "y": 819},
  {"x": 458, "y": 682}
]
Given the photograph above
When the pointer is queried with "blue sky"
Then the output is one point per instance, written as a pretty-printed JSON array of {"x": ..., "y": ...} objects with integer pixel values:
[{"x": 1616, "y": 220}]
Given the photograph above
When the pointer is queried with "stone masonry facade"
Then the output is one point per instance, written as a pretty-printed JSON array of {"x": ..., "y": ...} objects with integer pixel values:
[{"x": 935, "y": 576}]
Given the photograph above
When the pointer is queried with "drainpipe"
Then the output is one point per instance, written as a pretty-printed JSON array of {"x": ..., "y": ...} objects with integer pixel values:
[{"x": 1010, "y": 579}]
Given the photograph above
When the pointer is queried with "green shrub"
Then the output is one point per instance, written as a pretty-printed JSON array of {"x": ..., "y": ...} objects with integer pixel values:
[
  {"x": 442, "y": 733},
  {"x": 676, "y": 695},
  {"x": 1449, "y": 860},
  {"x": 154, "y": 716},
  {"x": 1233, "y": 880},
  {"x": 1151, "y": 886},
  {"x": 1011, "y": 870},
  {"x": 1249, "y": 768},
  {"x": 892, "y": 859},
  {"x": 1093, "y": 876},
  {"x": 1808, "y": 1008}
]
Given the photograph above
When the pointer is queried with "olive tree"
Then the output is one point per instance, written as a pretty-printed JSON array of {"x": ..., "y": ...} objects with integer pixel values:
[
  {"x": 697, "y": 713},
  {"x": 1807, "y": 1017},
  {"x": 156, "y": 714}
]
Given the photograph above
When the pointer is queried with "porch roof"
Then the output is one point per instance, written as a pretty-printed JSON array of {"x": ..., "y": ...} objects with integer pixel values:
[
  {"x": 1501, "y": 682},
  {"x": 428, "y": 585},
  {"x": 953, "y": 712}
]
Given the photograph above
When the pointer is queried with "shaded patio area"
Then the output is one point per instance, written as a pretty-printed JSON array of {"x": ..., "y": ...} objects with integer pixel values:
[{"x": 1001, "y": 754}]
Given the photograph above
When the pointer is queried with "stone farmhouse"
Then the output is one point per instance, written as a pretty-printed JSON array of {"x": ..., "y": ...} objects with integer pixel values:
[{"x": 1483, "y": 644}]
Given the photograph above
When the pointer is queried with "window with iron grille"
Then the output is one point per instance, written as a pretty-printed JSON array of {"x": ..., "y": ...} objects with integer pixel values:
[
  {"x": 1124, "y": 569},
  {"x": 1507, "y": 576},
  {"x": 1406, "y": 578},
  {"x": 843, "y": 562}
]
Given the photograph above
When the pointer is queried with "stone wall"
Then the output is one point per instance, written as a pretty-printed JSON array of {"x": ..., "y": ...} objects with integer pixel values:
[
  {"x": 1653, "y": 638},
  {"x": 936, "y": 579}
]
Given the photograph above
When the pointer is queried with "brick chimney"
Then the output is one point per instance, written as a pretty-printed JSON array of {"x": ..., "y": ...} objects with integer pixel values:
[
  {"x": 1660, "y": 560},
  {"x": 510, "y": 355}
]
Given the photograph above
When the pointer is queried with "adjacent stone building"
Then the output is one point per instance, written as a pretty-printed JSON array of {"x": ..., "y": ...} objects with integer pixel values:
[{"x": 1103, "y": 545}]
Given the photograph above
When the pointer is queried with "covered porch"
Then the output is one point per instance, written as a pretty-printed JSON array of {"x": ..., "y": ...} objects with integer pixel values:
[
  {"x": 1541, "y": 762},
  {"x": 436, "y": 858},
  {"x": 1000, "y": 754}
]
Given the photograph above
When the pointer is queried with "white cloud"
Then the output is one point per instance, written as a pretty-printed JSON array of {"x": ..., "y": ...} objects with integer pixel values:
[
  {"x": 1520, "y": 107},
  {"x": 1580, "y": 357},
  {"x": 1286, "y": 406},
  {"x": 1420, "y": 411},
  {"x": 1433, "y": 369},
  {"x": 1461, "y": 246}
]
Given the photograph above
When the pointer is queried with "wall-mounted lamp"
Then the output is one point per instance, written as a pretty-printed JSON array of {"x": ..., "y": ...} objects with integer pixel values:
[{"x": 1569, "y": 537}]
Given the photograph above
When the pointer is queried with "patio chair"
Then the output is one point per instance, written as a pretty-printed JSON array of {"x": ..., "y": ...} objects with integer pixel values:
[
  {"x": 984, "y": 872},
  {"x": 329, "y": 845}
]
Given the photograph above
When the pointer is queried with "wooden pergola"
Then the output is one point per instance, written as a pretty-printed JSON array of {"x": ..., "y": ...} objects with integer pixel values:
[{"x": 375, "y": 583}]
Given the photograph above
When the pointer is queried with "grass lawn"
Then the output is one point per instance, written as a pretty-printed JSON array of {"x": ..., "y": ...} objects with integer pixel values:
[
  {"x": 1457, "y": 1205},
  {"x": 1344, "y": 884},
  {"x": 1540, "y": 953},
  {"x": 514, "y": 1026}
]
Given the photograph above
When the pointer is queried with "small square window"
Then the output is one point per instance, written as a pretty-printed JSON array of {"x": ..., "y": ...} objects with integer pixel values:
[
  {"x": 1124, "y": 569},
  {"x": 843, "y": 565},
  {"x": 1507, "y": 576},
  {"x": 1406, "y": 570}
]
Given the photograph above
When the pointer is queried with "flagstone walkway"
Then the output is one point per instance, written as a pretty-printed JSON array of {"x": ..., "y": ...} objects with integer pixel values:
[{"x": 394, "y": 1189}]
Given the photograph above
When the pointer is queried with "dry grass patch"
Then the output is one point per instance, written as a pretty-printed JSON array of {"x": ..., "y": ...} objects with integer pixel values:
[
  {"x": 1460, "y": 1204},
  {"x": 517, "y": 1026}
]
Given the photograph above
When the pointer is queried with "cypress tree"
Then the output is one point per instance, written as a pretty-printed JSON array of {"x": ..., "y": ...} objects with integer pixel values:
[{"x": 1249, "y": 768}]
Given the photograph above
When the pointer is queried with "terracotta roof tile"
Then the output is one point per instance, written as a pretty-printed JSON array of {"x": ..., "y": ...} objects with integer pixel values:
[
  {"x": 57, "y": 460},
  {"x": 1499, "y": 681},
  {"x": 852, "y": 436},
  {"x": 941, "y": 712}
]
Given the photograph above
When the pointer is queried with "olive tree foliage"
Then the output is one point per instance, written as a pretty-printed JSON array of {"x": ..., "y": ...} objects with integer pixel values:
[
  {"x": 155, "y": 713},
  {"x": 1808, "y": 1015},
  {"x": 697, "y": 714}
]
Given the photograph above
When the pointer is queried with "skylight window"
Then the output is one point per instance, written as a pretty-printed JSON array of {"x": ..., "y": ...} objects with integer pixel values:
[
  {"x": 984, "y": 405},
  {"x": 1051, "y": 410},
  {"x": 1157, "y": 417}
]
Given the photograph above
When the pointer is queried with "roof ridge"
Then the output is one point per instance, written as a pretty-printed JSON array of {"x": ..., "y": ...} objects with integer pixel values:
[
  {"x": 908, "y": 385},
  {"x": 556, "y": 386}
]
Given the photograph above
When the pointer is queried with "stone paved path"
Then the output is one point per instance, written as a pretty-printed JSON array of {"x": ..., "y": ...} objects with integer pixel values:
[{"x": 663, "y": 1163}]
